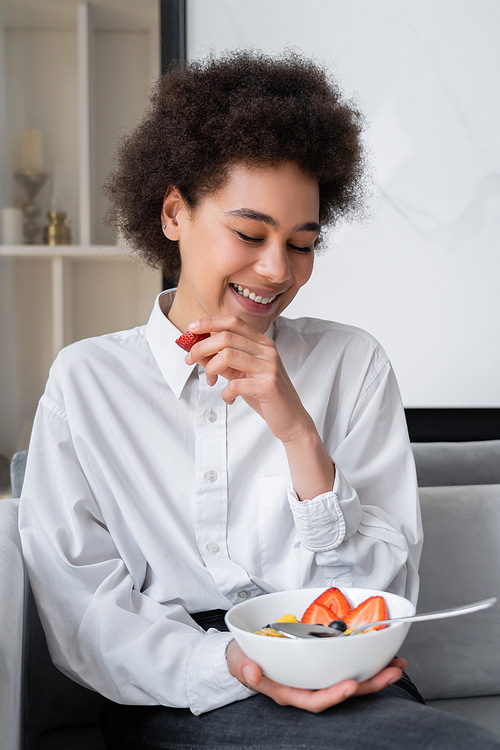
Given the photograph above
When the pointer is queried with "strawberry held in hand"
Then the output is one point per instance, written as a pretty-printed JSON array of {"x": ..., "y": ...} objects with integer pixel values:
[{"x": 187, "y": 340}]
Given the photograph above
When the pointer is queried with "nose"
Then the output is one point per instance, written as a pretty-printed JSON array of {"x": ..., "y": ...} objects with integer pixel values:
[{"x": 274, "y": 262}]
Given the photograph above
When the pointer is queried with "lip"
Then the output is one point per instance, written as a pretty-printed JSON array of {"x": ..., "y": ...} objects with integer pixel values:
[{"x": 255, "y": 307}]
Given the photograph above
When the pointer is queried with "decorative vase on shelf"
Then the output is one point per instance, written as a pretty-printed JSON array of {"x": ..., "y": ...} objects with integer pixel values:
[
  {"x": 32, "y": 182},
  {"x": 31, "y": 175},
  {"x": 58, "y": 231}
]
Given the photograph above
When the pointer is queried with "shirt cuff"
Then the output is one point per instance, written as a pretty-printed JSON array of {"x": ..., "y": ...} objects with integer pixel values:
[
  {"x": 209, "y": 683},
  {"x": 328, "y": 519}
]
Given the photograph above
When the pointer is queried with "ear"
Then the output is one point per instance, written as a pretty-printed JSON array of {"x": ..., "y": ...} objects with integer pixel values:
[{"x": 173, "y": 204}]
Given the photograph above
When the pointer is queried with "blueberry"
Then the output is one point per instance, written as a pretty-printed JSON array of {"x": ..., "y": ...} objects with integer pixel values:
[{"x": 338, "y": 625}]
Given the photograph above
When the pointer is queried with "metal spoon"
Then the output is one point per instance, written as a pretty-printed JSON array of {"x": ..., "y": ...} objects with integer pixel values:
[{"x": 302, "y": 630}]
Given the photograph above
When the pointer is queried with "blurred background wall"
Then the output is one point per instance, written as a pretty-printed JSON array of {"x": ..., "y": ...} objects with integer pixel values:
[{"x": 423, "y": 272}]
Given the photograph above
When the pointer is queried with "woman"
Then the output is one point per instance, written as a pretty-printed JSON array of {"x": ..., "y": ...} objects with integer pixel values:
[{"x": 274, "y": 455}]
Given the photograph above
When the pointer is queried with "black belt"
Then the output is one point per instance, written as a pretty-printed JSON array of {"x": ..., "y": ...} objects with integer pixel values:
[{"x": 214, "y": 618}]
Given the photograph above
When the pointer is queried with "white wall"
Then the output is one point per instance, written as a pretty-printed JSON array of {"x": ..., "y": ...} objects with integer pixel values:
[{"x": 423, "y": 275}]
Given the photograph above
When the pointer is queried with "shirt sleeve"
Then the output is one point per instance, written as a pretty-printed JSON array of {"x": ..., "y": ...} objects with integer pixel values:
[
  {"x": 102, "y": 631},
  {"x": 371, "y": 536}
]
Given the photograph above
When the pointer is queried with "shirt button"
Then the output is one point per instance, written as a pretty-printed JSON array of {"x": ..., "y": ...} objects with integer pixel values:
[
  {"x": 213, "y": 547},
  {"x": 211, "y": 415},
  {"x": 211, "y": 476},
  {"x": 243, "y": 594}
]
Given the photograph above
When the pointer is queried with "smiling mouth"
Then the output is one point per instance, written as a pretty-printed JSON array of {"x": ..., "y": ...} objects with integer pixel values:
[{"x": 244, "y": 292}]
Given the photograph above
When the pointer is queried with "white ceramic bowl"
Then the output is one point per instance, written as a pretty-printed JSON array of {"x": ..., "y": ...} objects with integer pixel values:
[{"x": 311, "y": 663}]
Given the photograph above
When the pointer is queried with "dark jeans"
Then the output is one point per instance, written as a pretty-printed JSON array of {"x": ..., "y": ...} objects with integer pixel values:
[{"x": 394, "y": 719}]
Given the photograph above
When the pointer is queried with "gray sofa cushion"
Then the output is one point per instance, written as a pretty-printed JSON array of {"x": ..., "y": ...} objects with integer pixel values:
[
  {"x": 446, "y": 464},
  {"x": 17, "y": 471},
  {"x": 444, "y": 655}
]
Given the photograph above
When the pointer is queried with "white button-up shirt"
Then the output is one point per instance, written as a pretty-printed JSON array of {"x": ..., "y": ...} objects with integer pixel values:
[{"x": 147, "y": 498}]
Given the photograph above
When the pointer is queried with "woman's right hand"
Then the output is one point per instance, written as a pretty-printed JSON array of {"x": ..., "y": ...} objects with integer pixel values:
[{"x": 250, "y": 674}]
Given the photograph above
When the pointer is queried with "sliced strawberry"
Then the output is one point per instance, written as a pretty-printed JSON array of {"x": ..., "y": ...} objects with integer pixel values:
[
  {"x": 318, "y": 614},
  {"x": 187, "y": 340},
  {"x": 371, "y": 610},
  {"x": 335, "y": 600}
]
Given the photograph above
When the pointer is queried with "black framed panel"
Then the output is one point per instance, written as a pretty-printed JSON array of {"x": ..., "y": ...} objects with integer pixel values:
[
  {"x": 452, "y": 425},
  {"x": 173, "y": 33},
  {"x": 173, "y": 54}
]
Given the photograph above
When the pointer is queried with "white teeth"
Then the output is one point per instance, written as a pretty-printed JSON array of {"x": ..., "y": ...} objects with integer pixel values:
[{"x": 255, "y": 297}]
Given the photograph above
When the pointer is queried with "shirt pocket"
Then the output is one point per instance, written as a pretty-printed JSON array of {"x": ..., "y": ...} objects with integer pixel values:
[{"x": 278, "y": 540}]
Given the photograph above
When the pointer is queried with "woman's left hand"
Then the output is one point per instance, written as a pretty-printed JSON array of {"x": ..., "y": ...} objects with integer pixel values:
[{"x": 250, "y": 362}]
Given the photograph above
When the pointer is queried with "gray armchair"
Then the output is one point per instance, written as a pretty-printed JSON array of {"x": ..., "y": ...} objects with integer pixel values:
[
  {"x": 11, "y": 626},
  {"x": 47, "y": 710},
  {"x": 455, "y": 663}
]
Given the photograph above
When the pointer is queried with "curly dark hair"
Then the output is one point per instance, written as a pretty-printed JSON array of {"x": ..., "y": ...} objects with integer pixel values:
[{"x": 242, "y": 107}]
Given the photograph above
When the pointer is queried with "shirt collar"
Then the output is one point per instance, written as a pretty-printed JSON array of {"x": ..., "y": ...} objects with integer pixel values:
[{"x": 161, "y": 335}]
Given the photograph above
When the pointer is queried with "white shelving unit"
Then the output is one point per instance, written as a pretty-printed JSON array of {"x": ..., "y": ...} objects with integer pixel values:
[
  {"x": 81, "y": 73},
  {"x": 60, "y": 258}
]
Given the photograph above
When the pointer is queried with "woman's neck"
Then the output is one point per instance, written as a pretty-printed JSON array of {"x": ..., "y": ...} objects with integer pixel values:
[{"x": 186, "y": 307}]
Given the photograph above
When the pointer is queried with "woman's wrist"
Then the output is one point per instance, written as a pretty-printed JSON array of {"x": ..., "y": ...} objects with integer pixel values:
[{"x": 311, "y": 467}]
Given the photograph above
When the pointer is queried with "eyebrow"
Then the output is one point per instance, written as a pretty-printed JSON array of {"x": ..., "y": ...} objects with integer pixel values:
[{"x": 250, "y": 213}]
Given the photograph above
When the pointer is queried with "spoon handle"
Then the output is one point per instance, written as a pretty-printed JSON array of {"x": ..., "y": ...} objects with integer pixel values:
[{"x": 438, "y": 615}]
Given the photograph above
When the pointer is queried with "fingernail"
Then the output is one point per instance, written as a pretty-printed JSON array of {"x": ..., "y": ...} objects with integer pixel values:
[
  {"x": 195, "y": 324},
  {"x": 187, "y": 358},
  {"x": 349, "y": 692},
  {"x": 247, "y": 674}
]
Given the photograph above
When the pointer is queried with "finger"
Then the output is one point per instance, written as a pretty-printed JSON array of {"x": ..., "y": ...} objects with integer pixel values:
[
  {"x": 241, "y": 361},
  {"x": 219, "y": 342},
  {"x": 398, "y": 662},
  {"x": 267, "y": 383},
  {"x": 315, "y": 701},
  {"x": 312, "y": 700},
  {"x": 309, "y": 700},
  {"x": 260, "y": 388},
  {"x": 251, "y": 674},
  {"x": 380, "y": 681},
  {"x": 215, "y": 323}
]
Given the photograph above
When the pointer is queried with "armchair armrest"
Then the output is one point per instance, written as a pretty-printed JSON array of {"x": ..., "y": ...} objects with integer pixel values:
[{"x": 12, "y": 592}]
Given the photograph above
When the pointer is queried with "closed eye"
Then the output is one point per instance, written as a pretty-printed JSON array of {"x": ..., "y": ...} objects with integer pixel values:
[
  {"x": 256, "y": 240},
  {"x": 301, "y": 249},
  {"x": 245, "y": 238}
]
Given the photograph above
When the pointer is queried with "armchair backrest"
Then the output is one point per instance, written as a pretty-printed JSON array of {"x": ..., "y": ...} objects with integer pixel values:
[
  {"x": 459, "y": 488},
  {"x": 452, "y": 464}
]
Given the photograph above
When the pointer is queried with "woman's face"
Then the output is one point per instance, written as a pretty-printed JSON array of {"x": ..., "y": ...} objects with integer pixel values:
[{"x": 248, "y": 248}]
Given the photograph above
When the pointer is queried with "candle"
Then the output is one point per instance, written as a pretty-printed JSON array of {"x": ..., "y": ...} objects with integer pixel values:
[
  {"x": 30, "y": 150},
  {"x": 11, "y": 226}
]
